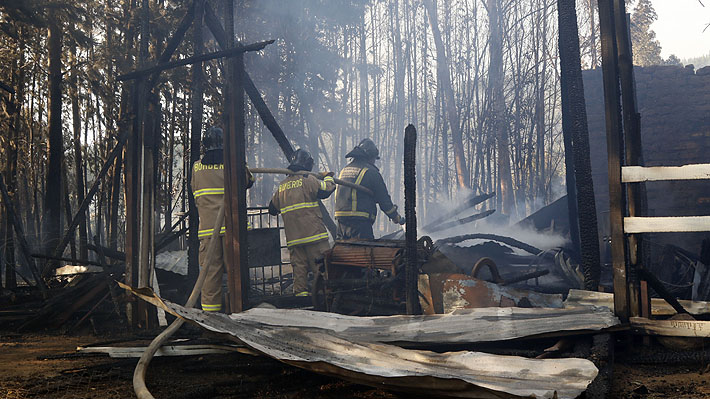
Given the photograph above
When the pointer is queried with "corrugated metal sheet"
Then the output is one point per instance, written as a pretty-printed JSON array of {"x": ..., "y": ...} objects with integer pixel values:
[
  {"x": 453, "y": 374},
  {"x": 461, "y": 327}
]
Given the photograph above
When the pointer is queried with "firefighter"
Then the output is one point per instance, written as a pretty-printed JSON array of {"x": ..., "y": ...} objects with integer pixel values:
[
  {"x": 207, "y": 186},
  {"x": 297, "y": 202},
  {"x": 355, "y": 210}
]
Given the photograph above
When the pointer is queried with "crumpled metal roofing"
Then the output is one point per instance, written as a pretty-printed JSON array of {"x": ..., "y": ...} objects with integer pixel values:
[
  {"x": 452, "y": 374},
  {"x": 462, "y": 326}
]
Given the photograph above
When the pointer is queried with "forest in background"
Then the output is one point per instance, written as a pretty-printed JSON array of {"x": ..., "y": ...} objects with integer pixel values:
[{"x": 478, "y": 78}]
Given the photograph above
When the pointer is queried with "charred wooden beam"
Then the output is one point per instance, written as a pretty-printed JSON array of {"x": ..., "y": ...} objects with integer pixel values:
[
  {"x": 175, "y": 40},
  {"x": 232, "y": 52},
  {"x": 262, "y": 109},
  {"x": 660, "y": 289},
  {"x": 462, "y": 221},
  {"x": 468, "y": 203}
]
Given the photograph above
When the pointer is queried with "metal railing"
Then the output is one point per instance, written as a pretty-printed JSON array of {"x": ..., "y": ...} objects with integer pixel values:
[{"x": 269, "y": 280}]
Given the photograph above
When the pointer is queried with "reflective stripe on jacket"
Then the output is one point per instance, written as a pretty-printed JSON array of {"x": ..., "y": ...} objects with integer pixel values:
[
  {"x": 207, "y": 185},
  {"x": 297, "y": 201},
  {"x": 351, "y": 203}
]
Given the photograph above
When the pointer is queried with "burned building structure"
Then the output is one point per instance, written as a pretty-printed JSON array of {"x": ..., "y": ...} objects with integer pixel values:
[{"x": 674, "y": 103}]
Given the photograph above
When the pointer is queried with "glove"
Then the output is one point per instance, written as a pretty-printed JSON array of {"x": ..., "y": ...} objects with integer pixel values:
[
  {"x": 399, "y": 220},
  {"x": 323, "y": 175}
]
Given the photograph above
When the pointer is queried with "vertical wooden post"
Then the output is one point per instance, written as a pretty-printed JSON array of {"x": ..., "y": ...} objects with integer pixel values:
[
  {"x": 410, "y": 203},
  {"x": 195, "y": 132},
  {"x": 132, "y": 172},
  {"x": 235, "y": 178},
  {"x": 133, "y": 177},
  {"x": 614, "y": 151},
  {"x": 147, "y": 240},
  {"x": 636, "y": 192}
]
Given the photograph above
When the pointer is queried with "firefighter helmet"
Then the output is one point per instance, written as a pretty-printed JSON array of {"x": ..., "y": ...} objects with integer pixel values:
[
  {"x": 301, "y": 160},
  {"x": 365, "y": 149},
  {"x": 212, "y": 139}
]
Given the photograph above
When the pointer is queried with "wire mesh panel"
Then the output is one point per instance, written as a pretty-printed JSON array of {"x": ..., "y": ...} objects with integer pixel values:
[{"x": 270, "y": 274}]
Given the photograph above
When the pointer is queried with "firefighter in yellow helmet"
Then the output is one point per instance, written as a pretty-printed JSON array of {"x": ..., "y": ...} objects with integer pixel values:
[
  {"x": 207, "y": 186},
  {"x": 355, "y": 210},
  {"x": 297, "y": 202}
]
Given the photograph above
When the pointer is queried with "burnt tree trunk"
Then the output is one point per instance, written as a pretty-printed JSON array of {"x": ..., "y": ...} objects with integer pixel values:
[{"x": 574, "y": 125}]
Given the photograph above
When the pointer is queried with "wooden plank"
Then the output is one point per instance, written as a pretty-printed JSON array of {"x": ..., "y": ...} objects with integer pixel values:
[
  {"x": 671, "y": 328},
  {"x": 635, "y": 174},
  {"x": 659, "y": 307},
  {"x": 167, "y": 350},
  {"x": 670, "y": 224}
]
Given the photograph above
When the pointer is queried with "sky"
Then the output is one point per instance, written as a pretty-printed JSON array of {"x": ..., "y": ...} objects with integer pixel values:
[{"x": 680, "y": 25}]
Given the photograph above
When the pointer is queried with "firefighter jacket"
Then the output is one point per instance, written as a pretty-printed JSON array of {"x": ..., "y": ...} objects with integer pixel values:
[
  {"x": 351, "y": 204},
  {"x": 208, "y": 189},
  {"x": 297, "y": 201}
]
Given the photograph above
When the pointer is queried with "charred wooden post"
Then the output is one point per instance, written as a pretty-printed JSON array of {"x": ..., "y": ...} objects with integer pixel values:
[
  {"x": 615, "y": 155},
  {"x": 197, "y": 88},
  {"x": 235, "y": 179},
  {"x": 583, "y": 213},
  {"x": 147, "y": 240},
  {"x": 410, "y": 203},
  {"x": 636, "y": 193}
]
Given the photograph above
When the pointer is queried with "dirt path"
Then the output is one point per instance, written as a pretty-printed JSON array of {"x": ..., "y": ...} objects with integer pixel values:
[{"x": 45, "y": 366}]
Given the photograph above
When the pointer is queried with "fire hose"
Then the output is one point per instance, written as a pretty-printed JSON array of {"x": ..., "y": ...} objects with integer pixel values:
[
  {"x": 139, "y": 373},
  {"x": 139, "y": 386},
  {"x": 283, "y": 171}
]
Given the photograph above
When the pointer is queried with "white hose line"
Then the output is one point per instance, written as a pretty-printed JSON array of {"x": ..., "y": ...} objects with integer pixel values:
[{"x": 139, "y": 387}]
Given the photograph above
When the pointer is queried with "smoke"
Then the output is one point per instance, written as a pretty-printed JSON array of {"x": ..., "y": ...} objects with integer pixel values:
[{"x": 494, "y": 224}]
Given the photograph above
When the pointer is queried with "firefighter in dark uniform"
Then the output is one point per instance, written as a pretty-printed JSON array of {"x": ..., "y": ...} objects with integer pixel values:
[
  {"x": 207, "y": 186},
  {"x": 355, "y": 210},
  {"x": 297, "y": 202}
]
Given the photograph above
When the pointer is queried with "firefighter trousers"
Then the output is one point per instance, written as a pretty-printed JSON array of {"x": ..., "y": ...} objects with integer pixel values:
[
  {"x": 303, "y": 260},
  {"x": 211, "y": 294},
  {"x": 355, "y": 228}
]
